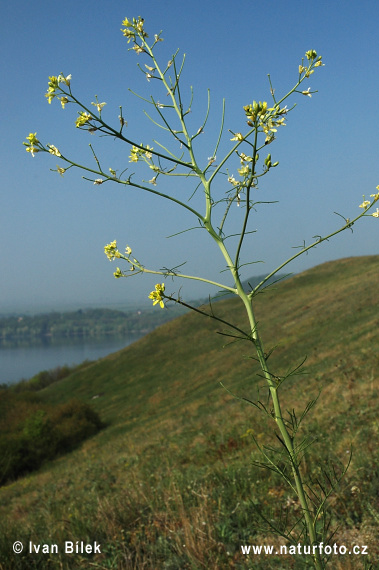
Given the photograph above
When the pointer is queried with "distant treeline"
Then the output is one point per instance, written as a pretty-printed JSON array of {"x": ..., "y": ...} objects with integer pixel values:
[
  {"x": 83, "y": 323},
  {"x": 98, "y": 322}
]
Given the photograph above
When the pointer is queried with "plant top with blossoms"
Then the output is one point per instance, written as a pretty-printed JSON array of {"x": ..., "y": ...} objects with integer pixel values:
[{"x": 249, "y": 150}]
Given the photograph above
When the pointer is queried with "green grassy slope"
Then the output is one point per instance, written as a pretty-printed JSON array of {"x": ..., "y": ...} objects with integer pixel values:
[{"x": 169, "y": 483}]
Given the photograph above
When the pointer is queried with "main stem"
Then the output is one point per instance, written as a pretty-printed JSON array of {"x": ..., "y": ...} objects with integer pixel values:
[{"x": 288, "y": 440}]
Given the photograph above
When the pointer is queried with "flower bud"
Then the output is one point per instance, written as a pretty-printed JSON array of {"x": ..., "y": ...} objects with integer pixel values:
[{"x": 311, "y": 54}]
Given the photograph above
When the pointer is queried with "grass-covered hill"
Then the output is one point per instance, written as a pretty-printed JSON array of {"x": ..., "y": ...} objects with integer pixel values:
[{"x": 169, "y": 483}]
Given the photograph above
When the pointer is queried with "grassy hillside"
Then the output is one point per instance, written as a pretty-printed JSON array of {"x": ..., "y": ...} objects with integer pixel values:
[{"x": 170, "y": 483}]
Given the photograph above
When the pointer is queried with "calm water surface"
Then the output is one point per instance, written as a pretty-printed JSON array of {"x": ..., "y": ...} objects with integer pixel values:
[{"x": 22, "y": 360}]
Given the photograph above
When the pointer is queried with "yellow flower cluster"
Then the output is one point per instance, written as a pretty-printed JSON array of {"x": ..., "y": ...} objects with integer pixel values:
[
  {"x": 111, "y": 250},
  {"x": 82, "y": 119},
  {"x": 31, "y": 145},
  {"x": 53, "y": 85},
  {"x": 254, "y": 111},
  {"x": 245, "y": 169},
  {"x": 258, "y": 114},
  {"x": 158, "y": 295},
  {"x": 134, "y": 28},
  {"x": 366, "y": 203},
  {"x": 136, "y": 153},
  {"x": 311, "y": 56}
]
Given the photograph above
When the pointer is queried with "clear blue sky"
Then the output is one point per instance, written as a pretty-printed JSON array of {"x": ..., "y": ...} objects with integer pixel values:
[{"x": 53, "y": 229}]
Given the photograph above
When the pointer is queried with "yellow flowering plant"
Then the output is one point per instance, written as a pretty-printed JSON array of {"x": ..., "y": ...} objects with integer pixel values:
[{"x": 264, "y": 120}]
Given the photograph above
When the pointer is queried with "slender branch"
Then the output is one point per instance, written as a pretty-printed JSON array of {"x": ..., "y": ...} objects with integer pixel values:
[
  {"x": 305, "y": 249},
  {"x": 111, "y": 131},
  {"x": 248, "y": 207},
  {"x": 130, "y": 183},
  {"x": 211, "y": 316}
]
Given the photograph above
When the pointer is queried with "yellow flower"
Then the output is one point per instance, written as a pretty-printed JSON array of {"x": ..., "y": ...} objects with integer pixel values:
[
  {"x": 118, "y": 273},
  {"x": 128, "y": 34},
  {"x": 365, "y": 204},
  {"x": 245, "y": 158},
  {"x": 237, "y": 137},
  {"x": 139, "y": 25},
  {"x": 99, "y": 106},
  {"x": 30, "y": 145},
  {"x": 63, "y": 101},
  {"x": 63, "y": 79},
  {"x": 32, "y": 138},
  {"x": 232, "y": 180},
  {"x": 134, "y": 154},
  {"x": 138, "y": 49},
  {"x": 32, "y": 150},
  {"x": 61, "y": 170},
  {"x": 128, "y": 250},
  {"x": 53, "y": 150},
  {"x": 307, "y": 92},
  {"x": 244, "y": 171},
  {"x": 375, "y": 196},
  {"x": 376, "y": 214},
  {"x": 147, "y": 152},
  {"x": 157, "y": 296},
  {"x": 82, "y": 119}
]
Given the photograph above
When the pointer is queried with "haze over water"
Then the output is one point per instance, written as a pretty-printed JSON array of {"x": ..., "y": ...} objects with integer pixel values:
[{"x": 23, "y": 360}]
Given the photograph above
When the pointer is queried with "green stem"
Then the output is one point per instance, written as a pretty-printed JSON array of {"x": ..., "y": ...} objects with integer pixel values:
[
  {"x": 288, "y": 441},
  {"x": 248, "y": 207},
  {"x": 181, "y": 276},
  {"x": 130, "y": 183}
]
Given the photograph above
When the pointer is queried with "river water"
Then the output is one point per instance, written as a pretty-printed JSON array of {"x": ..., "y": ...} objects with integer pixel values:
[{"x": 23, "y": 360}]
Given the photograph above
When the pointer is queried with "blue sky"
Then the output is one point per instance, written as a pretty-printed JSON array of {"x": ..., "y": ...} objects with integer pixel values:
[{"x": 53, "y": 229}]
